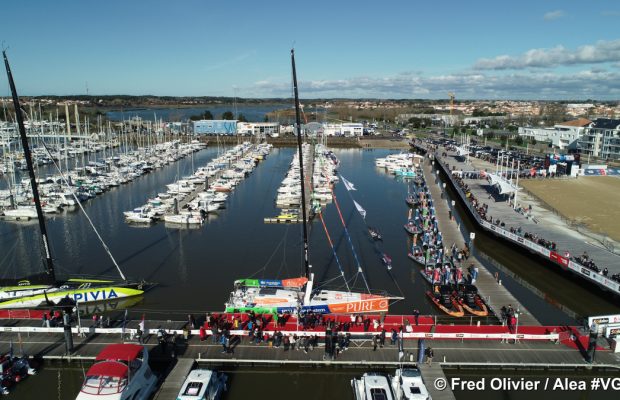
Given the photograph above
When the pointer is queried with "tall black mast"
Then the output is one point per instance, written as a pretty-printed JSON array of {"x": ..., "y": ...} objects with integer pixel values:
[
  {"x": 301, "y": 165},
  {"x": 33, "y": 179}
]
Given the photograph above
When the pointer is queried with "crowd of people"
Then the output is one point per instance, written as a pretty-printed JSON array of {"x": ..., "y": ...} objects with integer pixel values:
[{"x": 482, "y": 211}]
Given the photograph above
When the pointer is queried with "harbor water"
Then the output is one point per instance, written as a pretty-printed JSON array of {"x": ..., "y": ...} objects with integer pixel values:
[{"x": 195, "y": 268}]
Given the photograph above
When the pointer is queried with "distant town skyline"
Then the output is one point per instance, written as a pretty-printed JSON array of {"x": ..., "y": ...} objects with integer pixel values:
[{"x": 552, "y": 49}]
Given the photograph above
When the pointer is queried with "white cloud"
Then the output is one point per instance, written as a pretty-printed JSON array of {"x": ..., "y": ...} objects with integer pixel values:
[
  {"x": 600, "y": 52},
  {"x": 553, "y": 15},
  {"x": 524, "y": 85}
]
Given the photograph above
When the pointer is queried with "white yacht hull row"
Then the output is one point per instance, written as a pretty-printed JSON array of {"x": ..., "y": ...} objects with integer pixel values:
[{"x": 18, "y": 298}]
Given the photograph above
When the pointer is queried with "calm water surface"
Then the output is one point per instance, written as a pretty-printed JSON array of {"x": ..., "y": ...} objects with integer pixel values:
[{"x": 251, "y": 112}]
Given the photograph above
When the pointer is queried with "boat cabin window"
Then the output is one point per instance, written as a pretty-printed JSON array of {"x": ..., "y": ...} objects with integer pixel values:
[
  {"x": 414, "y": 390},
  {"x": 268, "y": 291},
  {"x": 378, "y": 394},
  {"x": 102, "y": 385},
  {"x": 193, "y": 389}
]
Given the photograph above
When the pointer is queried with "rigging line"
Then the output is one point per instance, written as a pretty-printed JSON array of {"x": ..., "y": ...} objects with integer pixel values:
[
  {"x": 331, "y": 244},
  {"x": 7, "y": 254},
  {"x": 396, "y": 283},
  {"x": 283, "y": 263},
  {"x": 326, "y": 282},
  {"x": 64, "y": 179},
  {"x": 346, "y": 230},
  {"x": 271, "y": 256}
]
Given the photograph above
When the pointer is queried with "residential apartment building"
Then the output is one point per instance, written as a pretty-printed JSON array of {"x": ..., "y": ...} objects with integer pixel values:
[
  {"x": 562, "y": 136},
  {"x": 602, "y": 139}
]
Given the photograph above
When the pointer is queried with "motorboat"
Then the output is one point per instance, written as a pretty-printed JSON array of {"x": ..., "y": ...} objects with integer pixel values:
[
  {"x": 442, "y": 296},
  {"x": 372, "y": 386},
  {"x": 139, "y": 218},
  {"x": 387, "y": 261},
  {"x": 203, "y": 384},
  {"x": 407, "y": 384},
  {"x": 184, "y": 218},
  {"x": 121, "y": 371},
  {"x": 468, "y": 297},
  {"x": 13, "y": 370},
  {"x": 21, "y": 212},
  {"x": 412, "y": 228},
  {"x": 375, "y": 234}
]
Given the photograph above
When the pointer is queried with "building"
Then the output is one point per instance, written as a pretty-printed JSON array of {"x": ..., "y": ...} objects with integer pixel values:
[
  {"x": 567, "y": 134},
  {"x": 215, "y": 127},
  {"x": 538, "y": 134},
  {"x": 259, "y": 128},
  {"x": 345, "y": 129},
  {"x": 602, "y": 139},
  {"x": 438, "y": 119},
  {"x": 562, "y": 136}
]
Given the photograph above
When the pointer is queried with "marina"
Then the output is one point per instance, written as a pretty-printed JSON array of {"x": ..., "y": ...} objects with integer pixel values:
[
  {"x": 383, "y": 270},
  {"x": 279, "y": 160}
]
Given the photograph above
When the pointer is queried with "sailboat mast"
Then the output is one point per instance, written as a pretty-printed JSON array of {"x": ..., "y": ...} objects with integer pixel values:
[
  {"x": 301, "y": 166},
  {"x": 33, "y": 179}
]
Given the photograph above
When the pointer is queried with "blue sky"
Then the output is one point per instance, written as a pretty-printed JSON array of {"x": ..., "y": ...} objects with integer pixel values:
[{"x": 528, "y": 49}]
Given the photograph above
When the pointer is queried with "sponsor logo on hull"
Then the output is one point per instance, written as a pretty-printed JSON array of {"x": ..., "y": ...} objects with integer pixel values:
[
  {"x": 94, "y": 295},
  {"x": 371, "y": 305}
]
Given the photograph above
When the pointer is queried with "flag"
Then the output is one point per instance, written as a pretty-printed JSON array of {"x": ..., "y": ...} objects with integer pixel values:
[
  {"x": 347, "y": 184},
  {"x": 359, "y": 208}
]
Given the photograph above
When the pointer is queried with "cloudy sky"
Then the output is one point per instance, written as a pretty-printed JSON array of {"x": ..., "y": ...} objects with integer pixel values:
[{"x": 529, "y": 49}]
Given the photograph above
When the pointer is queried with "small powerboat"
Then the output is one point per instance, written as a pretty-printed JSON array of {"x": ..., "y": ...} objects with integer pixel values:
[
  {"x": 203, "y": 384},
  {"x": 387, "y": 261},
  {"x": 375, "y": 234},
  {"x": 121, "y": 372},
  {"x": 407, "y": 384},
  {"x": 371, "y": 386}
]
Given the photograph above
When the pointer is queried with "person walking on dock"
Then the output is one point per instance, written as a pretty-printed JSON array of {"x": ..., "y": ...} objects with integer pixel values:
[
  {"x": 416, "y": 316},
  {"x": 429, "y": 356},
  {"x": 374, "y": 342}
]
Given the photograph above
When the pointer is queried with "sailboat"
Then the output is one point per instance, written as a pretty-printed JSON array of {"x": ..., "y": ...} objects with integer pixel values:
[
  {"x": 297, "y": 294},
  {"x": 44, "y": 289}
]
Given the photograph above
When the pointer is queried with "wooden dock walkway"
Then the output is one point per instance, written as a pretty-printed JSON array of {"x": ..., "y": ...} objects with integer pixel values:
[
  {"x": 433, "y": 376},
  {"x": 173, "y": 382},
  {"x": 494, "y": 294},
  {"x": 524, "y": 354}
]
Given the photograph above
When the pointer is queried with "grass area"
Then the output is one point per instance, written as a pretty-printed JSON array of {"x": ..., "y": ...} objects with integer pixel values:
[{"x": 592, "y": 201}]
